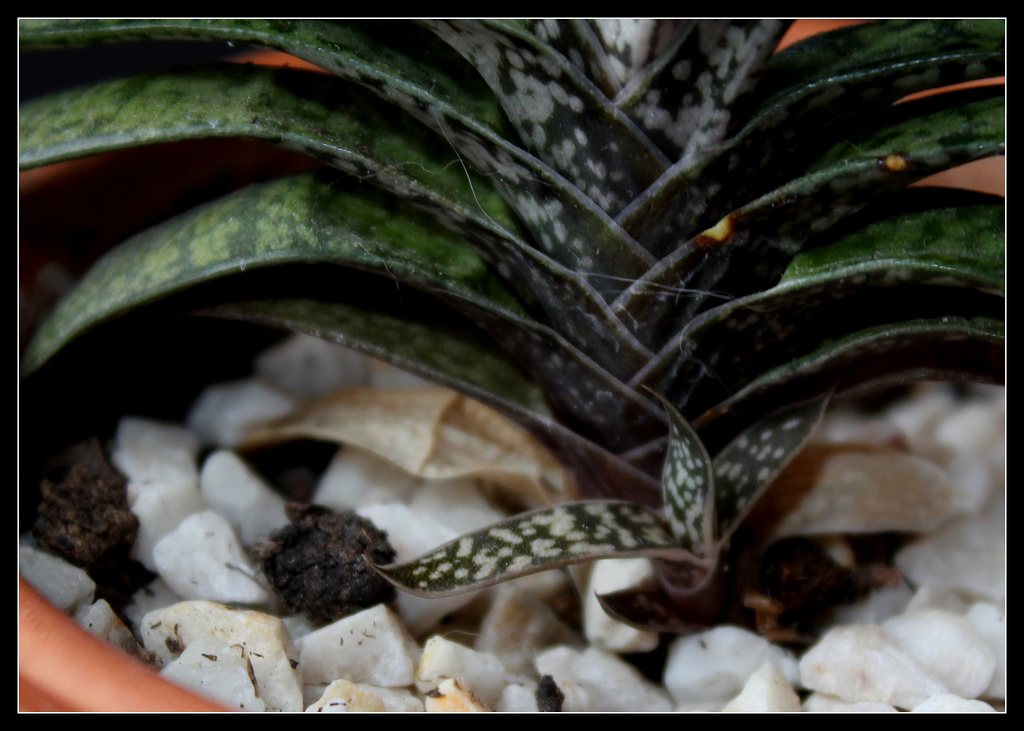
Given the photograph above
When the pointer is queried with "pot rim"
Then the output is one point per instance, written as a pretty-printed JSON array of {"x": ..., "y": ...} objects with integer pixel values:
[{"x": 62, "y": 667}]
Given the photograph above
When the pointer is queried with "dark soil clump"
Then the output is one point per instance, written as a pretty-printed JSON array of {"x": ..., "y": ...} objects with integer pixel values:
[
  {"x": 320, "y": 564},
  {"x": 84, "y": 518}
]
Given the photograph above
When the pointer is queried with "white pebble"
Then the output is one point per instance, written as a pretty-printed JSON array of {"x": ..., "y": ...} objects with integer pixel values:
[
  {"x": 452, "y": 696},
  {"x": 202, "y": 559},
  {"x": 100, "y": 619},
  {"x": 370, "y": 647},
  {"x": 824, "y": 703},
  {"x": 238, "y": 493},
  {"x": 608, "y": 576},
  {"x": 307, "y": 367},
  {"x": 990, "y": 621},
  {"x": 215, "y": 670},
  {"x": 263, "y": 639},
  {"x": 481, "y": 672},
  {"x": 767, "y": 691},
  {"x": 594, "y": 680},
  {"x": 952, "y": 703},
  {"x": 65, "y": 586},
  {"x": 224, "y": 413},
  {"x": 455, "y": 503},
  {"x": 715, "y": 665},
  {"x": 146, "y": 450},
  {"x": 968, "y": 556},
  {"x": 355, "y": 478},
  {"x": 947, "y": 646},
  {"x": 861, "y": 663},
  {"x": 518, "y": 697},
  {"x": 517, "y": 626},
  {"x": 343, "y": 696}
]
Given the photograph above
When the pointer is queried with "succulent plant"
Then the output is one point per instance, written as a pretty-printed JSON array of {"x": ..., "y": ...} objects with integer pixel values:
[{"x": 660, "y": 247}]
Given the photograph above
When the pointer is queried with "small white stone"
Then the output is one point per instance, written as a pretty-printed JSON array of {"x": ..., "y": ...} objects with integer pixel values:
[
  {"x": 370, "y": 647},
  {"x": 65, "y": 586},
  {"x": 215, "y": 670},
  {"x": 307, "y": 367},
  {"x": 952, "y": 703},
  {"x": 517, "y": 626},
  {"x": 767, "y": 691},
  {"x": 824, "y": 703},
  {"x": 202, "y": 559},
  {"x": 238, "y": 493},
  {"x": 608, "y": 576},
  {"x": 224, "y": 413},
  {"x": 936, "y": 597},
  {"x": 146, "y": 450},
  {"x": 480, "y": 672},
  {"x": 519, "y": 696},
  {"x": 155, "y": 595},
  {"x": 101, "y": 620},
  {"x": 861, "y": 663},
  {"x": 990, "y": 621},
  {"x": 456, "y": 503},
  {"x": 355, "y": 478},
  {"x": 877, "y": 607},
  {"x": 947, "y": 646},
  {"x": 715, "y": 665},
  {"x": 343, "y": 696},
  {"x": 595, "y": 680},
  {"x": 262, "y": 638},
  {"x": 452, "y": 696},
  {"x": 968, "y": 556}
]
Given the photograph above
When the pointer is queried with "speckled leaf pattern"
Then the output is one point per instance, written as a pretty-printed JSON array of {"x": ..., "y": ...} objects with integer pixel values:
[
  {"x": 560, "y": 116},
  {"x": 292, "y": 220},
  {"x": 563, "y": 218},
  {"x": 341, "y": 125},
  {"x": 786, "y": 131},
  {"x": 535, "y": 541},
  {"x": 418, "y": 76},
  {"x": 687, "y": 483},
  {"x": 748, "y": 464},
  {"x": 719, "y": 63},
  {"x": 751, "y": 246},
  {"x": 952, "y": 256}
]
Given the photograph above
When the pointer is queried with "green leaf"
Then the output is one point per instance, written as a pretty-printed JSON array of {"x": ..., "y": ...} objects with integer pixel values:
[
  {"x": 410, "y": 67},
  {"x": 560, "y": 116},
  {"x": 878, "y": 64},
  {"x": 751, "y": 246},
  {"x": 950, "y": 257},
  {"x": 694, "y": 93},
  {"x": 688, "y": 486},
  {"x": 538, "y": 540},
  {"x": 955, "y": 349},
  {"x": 346, "y": 127},
  {"x": 303, "y": 219},
  {"x": 750, "y": 463}
]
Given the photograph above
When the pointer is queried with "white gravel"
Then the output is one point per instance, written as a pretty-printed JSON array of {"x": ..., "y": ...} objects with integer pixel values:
[{"x": 935, "y": 643}]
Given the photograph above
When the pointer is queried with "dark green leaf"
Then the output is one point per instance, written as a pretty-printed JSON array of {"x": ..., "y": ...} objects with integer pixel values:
[
  {"x": 695, "y": 92},
  {"x": 539, "y": 540},
  {"x": 879, "y": 64},
  {"x": 748, "y": 464},
  {"x": 560, "y": 116},
  {"x": 688, "y": 486},
  {"x": 750, "y": 247}
]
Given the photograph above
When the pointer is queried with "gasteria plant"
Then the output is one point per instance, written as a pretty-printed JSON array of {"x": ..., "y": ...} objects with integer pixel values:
[{"x": 658, "y": 246}]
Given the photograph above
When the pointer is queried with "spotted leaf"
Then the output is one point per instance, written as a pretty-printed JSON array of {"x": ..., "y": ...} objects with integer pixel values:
[
  {"x": 745, "y": 468},
  {"x": 536, "y": 541},
  {"x": 688, "y": 486}
]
